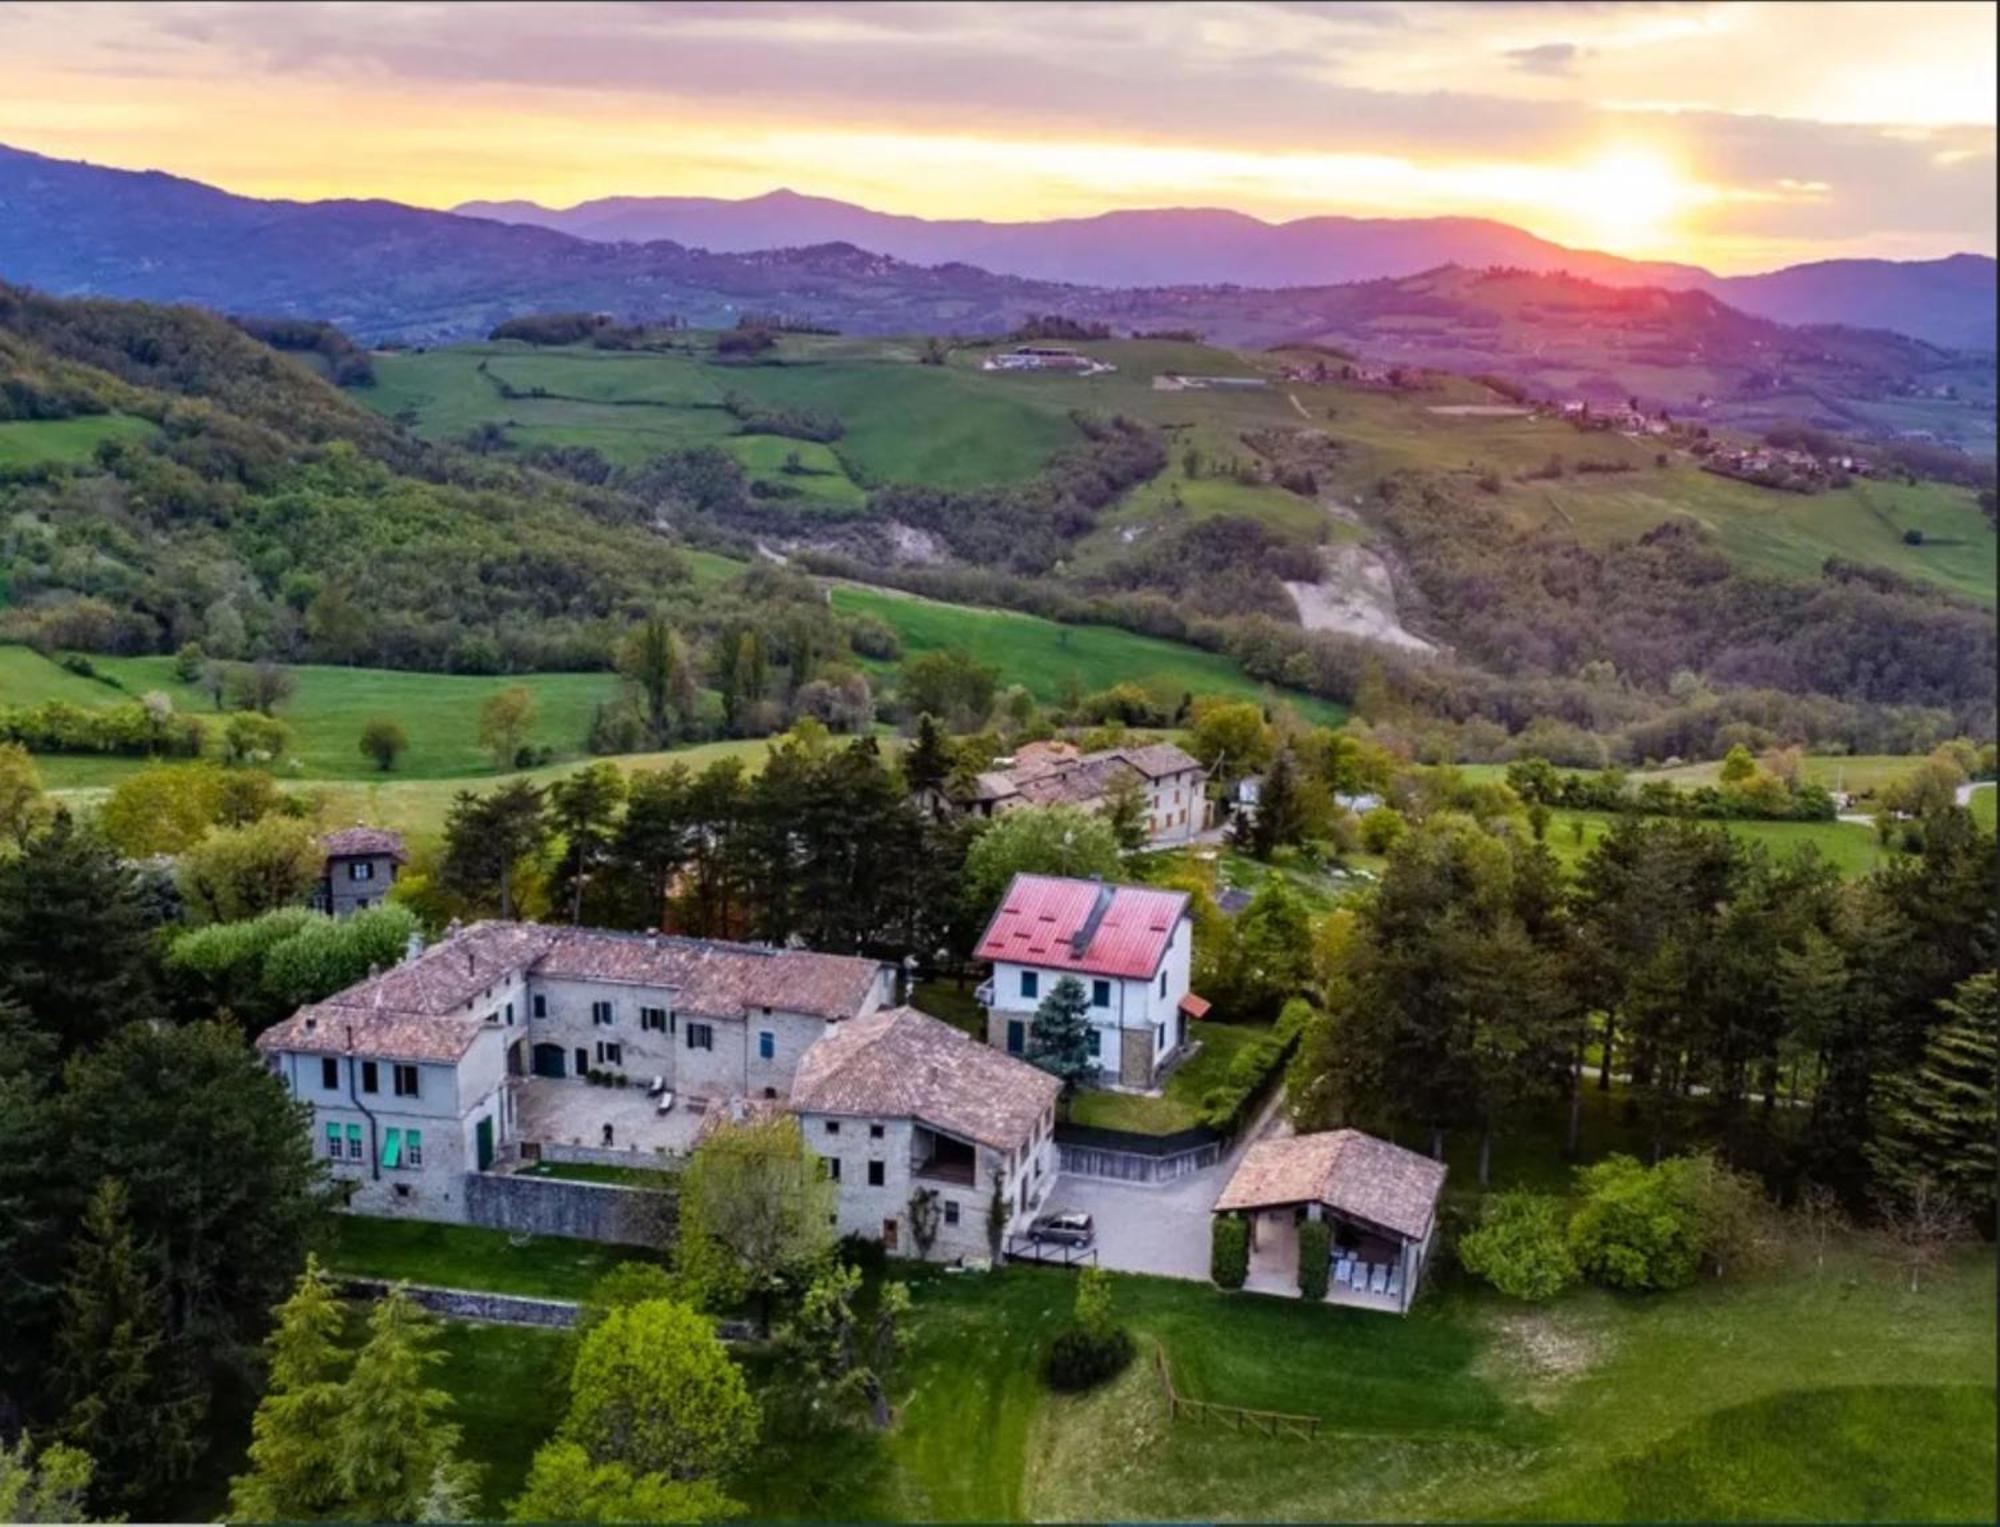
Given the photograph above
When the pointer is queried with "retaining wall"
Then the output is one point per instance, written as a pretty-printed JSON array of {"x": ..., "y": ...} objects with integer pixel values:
[
  {"x": 591, "y": 1211},
  {"x": 1126, "y": 1156},
  {"x": 503, "y": 1309}
]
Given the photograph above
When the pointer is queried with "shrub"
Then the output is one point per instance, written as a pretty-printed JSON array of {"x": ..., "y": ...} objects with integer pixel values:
[
  {"x": 1078, "y": 1360},
  {"x": 1520, "y": 1246},
  {"x": 1315, "y": 1252},
  {"x": 1228, "y": 1251},
  {"x": 1380, "y": 829},
  {"x": 1633, "y": 1230}
]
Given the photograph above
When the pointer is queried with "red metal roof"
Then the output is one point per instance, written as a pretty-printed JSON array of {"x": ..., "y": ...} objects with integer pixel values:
[{"x": 1041, "y": 915}]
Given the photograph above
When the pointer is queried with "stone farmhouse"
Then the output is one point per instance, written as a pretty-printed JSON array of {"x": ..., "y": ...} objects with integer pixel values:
[
  {"x": 1129, "y": 946},
  {"x": 361, "y": 865},
  {"x": 1172, "y": 784},
  {"x": 914, "y": 1118},
  {"x": 485, "y": 1045},
  {"x": 1380, "y": 1200}
]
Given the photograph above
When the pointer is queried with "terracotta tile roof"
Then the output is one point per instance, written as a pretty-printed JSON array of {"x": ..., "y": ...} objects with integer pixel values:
[
  {"x": 1158, "y": 759},
  {"x": 357, "y": 841},
  {"x": 1072, "y": 784},
  {"x": 902, "y": 1064},
  {"x": 1354, "y": 1174},
  {"x": 418, "y": 1010},
  {"x": 1041, "y": 917},
  {"x": 1047, "y": 774}
]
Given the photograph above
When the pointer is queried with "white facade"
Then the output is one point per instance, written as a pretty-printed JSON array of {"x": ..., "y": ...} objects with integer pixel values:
[
  {"x": 1137, "y": 1025},
  {"x": 880, "y": 1164}
]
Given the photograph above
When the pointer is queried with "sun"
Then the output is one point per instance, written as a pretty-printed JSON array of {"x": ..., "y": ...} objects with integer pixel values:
[{"x": 1629, "y": 199}]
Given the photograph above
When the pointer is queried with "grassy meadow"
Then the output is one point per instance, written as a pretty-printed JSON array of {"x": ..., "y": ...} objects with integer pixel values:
[
  {"x": 1800, "y": 1394},
  {"x": 64, "y": 442}
]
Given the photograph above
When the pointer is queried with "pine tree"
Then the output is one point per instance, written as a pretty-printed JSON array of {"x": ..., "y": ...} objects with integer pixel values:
[
  {"x": 1059, "y": 1037},
  {"x": 393, "y": 1452},
  {"x": 1279, "y": 816},
  {"x": 927, "y": 763},
  {"x": 121, "y": 1405},
  {"x": 292, "y": 1438},
  {"x": 1938, "y": 1122}
]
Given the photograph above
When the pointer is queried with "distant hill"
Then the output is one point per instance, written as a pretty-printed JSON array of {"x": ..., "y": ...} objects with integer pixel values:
[
  {"x": 384, "y": 272},
  {"x": 1947, "y": 302}
]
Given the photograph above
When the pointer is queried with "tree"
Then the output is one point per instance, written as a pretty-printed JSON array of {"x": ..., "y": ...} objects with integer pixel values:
[
  {"x": 22, "y": 804},
  {"x": 1631, "y": 1231},
  {"x": 485, "y": 839},
  {"x": 1520, "y": 1246},
  {"x": 1059, "y": 1036},
  {"x": 583, "y": 810},
  {"x": 294, "y": 1436},
  {"x": 393, "y": 1450},
  {"x": 1231, "y": 738},
  {"x": 564, "y": 1485},
  {"x": 243, "y": 872},
  {"x": 1280, "y": 815},
  {"x": 384, "y": 741},
  {"x": 224, "y": 1186},
  {"x": 1738, "y": 767},
  {"x": 1053, "y": 840},
  {"x": 1125, "y": 809},
  {"x": 1923, "y": 1223},
  {"x": 834, "y": 1368},
  {"x": 505, "y": 721},
  {"x": 927, "y": 764},
  {"x": 1938, "y": 1122},
  {"x": 261, "y": 686},
  {"x": 1093, "y": 1347},
  {"x": 949, "y": 684},
  {"x": 123, "y": 1405},
  {"x": 755, "y": 1212},
  {"x": 49, "y": 1487},
  {"x": 162, "y": 810},
  {"x": 655, "y": 1390},
  {"x": 251, "y": 738},
  {"x": 75, "y": 948},
  {"x": 654, "y": 658}
]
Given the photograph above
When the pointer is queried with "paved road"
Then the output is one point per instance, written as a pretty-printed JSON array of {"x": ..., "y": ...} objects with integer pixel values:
[{"x": 1160, "y": 1230}]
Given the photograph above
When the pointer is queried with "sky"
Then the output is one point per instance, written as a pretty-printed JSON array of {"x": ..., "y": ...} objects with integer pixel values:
[{"x": 1738, "y": 135}]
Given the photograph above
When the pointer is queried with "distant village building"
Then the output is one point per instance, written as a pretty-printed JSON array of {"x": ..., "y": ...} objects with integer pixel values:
[
  {"x": 1173, "y": 785},
  {"x": 1046, "y": 358},
  {"x": 1128, "y": 946},
  {"x": 360, "y": 866},
  {"x": 914, "y": 1118}
]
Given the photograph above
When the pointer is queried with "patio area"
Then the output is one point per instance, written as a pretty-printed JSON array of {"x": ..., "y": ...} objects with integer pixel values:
[{"x": 550, "y": 1112}]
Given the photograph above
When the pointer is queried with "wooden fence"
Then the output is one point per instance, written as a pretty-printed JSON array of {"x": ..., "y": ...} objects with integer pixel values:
[{"x": 1273, "y": 1423}]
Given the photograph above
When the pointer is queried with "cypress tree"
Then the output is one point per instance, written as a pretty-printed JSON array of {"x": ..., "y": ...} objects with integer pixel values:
[
  {"x": 394, "y": 1454},
  {"x": 292, "y": 1448}
]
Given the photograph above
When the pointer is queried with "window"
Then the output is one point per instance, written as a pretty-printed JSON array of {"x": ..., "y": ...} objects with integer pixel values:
[
  {"x": 493, "y": 1018},
  {"x": 1100, "y": 994},
  {"x": 767, "y": 1045},
  {"x": 951, "y": 1211},
  {"x": 329, "y": 1073},
  {"x": 360, "y": 869},
  {"x": 875, "y": 1174},
  {"x": 408, "y": 1083},
  {"x": 600, "y": 1013},
  {"x": 701, "y": 1036},
  {"x": 371, "y": 1080},
  {"x": 653, "y": 1019},
  {"x": 610, "y": 1054},
  {"x": 541, "y": 1006},
  {"x": 1097, "y": 1041},
  {"x": 510, "y": 1015},
  {"x": 333, "y": 1141},
  {"x": 1031, "y": 983},
  {"x": 1163, "y": 983},
  {"x": 361, "y": 903},
  {"x": 354, "y": 1142},
  {"x": 874, "y": 1131},
  {"x": 402, "y": 1190},
  {"x": 1016, "y": 1035},
  {"x": 413, "y": 1148},
  {"x": 832, "y": 1168},
  {"x": 833, "y": 1126}
]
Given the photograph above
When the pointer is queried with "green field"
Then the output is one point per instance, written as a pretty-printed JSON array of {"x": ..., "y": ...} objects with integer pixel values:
[
  {"x": 1836, "y": 1396},
  {"x": 1849, "y": 846},
  {"x": 1179, "y": 1106},
  {"x": 60, "y": 442},
  {"x": 1047, "y": 658}
]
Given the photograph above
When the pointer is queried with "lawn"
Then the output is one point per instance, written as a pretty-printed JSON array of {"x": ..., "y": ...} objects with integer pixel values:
[
  {"x": 508, "y": 1385},
  {"x": 592, "y": 1171},
  {"x": 1049, "y": 658},
  {"x": 465, "y": 1256},
  {"x": 1187, "y": 1084},
  {"x": 62, "y": 442}
]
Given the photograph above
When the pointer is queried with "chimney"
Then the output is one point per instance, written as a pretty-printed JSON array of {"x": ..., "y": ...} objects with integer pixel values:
[
  {"x": 1080, "y": 940},
  {"x": 312, "y": 1023},
  {"x": 414, "y": 947}
]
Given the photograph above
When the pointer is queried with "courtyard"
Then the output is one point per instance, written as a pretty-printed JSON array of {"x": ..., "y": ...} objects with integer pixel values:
[{"x": 622, "y": 1120}]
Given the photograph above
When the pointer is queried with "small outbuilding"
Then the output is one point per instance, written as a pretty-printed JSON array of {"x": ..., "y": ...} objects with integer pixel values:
[{"x": 1379, "y": 1199}]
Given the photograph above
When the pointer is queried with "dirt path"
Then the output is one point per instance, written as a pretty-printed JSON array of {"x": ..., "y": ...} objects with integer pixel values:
[{"x": 1293, "y": 399}]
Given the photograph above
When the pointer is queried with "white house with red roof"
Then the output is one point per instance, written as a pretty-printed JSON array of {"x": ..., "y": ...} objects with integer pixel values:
[{"x": 1129, "y": 946}]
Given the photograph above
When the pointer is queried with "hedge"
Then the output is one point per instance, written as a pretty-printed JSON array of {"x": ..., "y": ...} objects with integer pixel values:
[
  {"x": 1228, "y": 1251},
  {"x": 1315, "y": 1252}
]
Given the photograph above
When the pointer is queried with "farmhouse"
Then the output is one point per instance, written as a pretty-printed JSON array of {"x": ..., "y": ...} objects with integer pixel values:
[
  {"x": 1046, "y": 358},
  {"x": 921, "y": 1127},
  {"x": 1171, "y": 784},
  {"x": 1128, "y": 945},
  {"x": 488, "y": 1043},
  {"x": 1380, "y": 1200},
  {"x": 360, "y": 866}
]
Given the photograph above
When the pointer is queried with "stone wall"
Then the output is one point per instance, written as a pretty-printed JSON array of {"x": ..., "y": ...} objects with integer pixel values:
[
  {"x": 504, "y": 1309},
  {"x": 596, "y": 1155},
  {"x": 591, "y": 1211}
]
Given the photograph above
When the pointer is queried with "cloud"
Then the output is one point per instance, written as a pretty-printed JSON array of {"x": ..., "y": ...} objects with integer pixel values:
[{"x": 1546, "y": 58}]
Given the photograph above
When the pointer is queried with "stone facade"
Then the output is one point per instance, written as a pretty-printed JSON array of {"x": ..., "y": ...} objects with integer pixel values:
[
  {"x": 590, "y": 1211},
  {"x": 354, "y": 883}
]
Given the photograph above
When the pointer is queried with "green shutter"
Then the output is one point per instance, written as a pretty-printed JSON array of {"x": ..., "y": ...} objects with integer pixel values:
[
  {"x": 354, "y": 1138},
  {"x": 333, "y": 1139},
  {"x": 392, "y": 1149}
]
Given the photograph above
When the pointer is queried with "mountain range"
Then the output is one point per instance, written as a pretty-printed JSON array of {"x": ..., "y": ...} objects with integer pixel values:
[
  {"x": 388, "y": 273},
  {"x": 1947, "y": 302}
]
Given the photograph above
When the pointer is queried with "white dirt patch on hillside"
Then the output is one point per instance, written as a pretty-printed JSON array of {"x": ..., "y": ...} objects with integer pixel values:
[
  {"x": 1479, "y": 410},
  {"x": 1356, "y": 596}
]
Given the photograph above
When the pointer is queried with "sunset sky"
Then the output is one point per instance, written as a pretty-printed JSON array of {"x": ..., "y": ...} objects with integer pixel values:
[{"x": 1738, "y": 135}]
